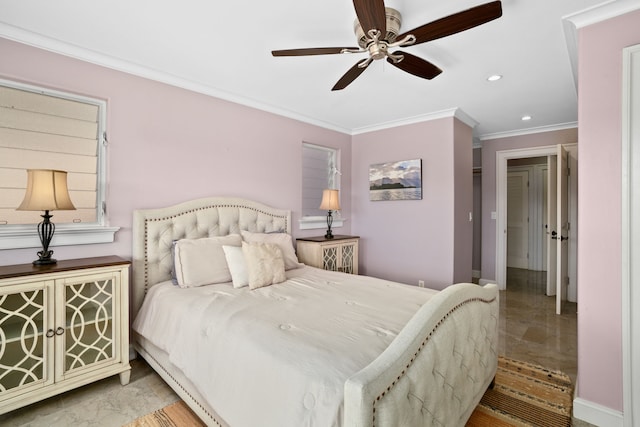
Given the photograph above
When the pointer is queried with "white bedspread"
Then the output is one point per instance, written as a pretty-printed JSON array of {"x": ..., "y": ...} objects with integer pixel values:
[{"x": 278, "y": 356}]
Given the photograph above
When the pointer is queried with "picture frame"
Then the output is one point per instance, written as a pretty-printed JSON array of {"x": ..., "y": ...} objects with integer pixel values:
[{"x": 400, "y": 180}]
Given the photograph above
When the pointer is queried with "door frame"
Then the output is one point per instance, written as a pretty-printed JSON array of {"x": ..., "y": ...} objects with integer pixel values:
[
  {"x": 502, "y": 158},
  {"x": 630, "y": 238}
]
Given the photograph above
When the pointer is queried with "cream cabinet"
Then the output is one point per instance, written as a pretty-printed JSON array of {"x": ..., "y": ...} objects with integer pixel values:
[
  {"x": 62, "y": 326},
  {"x": 337, "y": 254}
]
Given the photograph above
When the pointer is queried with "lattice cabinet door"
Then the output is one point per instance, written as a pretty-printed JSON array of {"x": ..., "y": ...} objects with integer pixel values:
[
  {"x": 348, "y": 255},
  {"x": 26, "y": 338},
  {"x": 330, "y": 258},
  {"x": 89, "y": 322},
  {"x": 337, "y": 254},
  {"x": 61, "y": 327}
]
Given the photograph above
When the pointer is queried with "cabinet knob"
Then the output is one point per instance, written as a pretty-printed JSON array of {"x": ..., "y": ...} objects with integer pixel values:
[
  {"x": 50, "y": 333},
  {"x": 59, "y": 331}
]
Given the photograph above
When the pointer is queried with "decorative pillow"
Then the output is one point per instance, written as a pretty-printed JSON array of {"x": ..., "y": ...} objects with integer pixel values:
[
  {"x": 237, "y": 265},
  {"x": 174, "y": 279},
  {"x": 284, "y": 242},
  {"x": 200, "y": 262},
  {"x": 265, "y": 264}
]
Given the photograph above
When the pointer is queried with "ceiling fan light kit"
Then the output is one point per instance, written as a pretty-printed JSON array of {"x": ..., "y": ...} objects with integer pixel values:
[
  {"x": 394, "y": 21},
  {"x": 377, "y": 31}
]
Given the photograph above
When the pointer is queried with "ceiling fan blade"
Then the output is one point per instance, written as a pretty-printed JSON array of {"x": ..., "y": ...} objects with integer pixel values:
[
  {"x": 372, "y": 15},
  {"x": 312, "y": 51},
  {"x": 456, "y": 23},
  {"x": 416, "y": 66},
  {"x": 350, "y": 75}
]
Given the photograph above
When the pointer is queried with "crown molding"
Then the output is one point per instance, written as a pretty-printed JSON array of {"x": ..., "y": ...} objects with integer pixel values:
[
  {"x": 39, "y": 41},
  {"x": 602, "y": 12},
  {"x": 593, "y": 15},
  {"x": 451, "y": 112},
  {"x": 520, "y": 132}
]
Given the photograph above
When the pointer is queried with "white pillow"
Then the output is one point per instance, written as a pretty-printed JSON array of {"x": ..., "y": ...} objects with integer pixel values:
[
  {"x": 237, "y": 266},
  {"x": 284, "y": 242},
  {"x": 200, "y": 262},
  {"x": 265, "y": 264}
]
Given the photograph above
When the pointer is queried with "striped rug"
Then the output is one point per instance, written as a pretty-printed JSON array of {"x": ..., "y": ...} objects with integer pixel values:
[
  {"x": 524, "y": 395},
  {"x": 177, "y": 414}
]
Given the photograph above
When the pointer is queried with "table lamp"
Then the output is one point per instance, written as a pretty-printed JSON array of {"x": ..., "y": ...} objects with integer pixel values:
[
  {"x": 46, "y": 191},
  {"x": 330, "y": 202}
]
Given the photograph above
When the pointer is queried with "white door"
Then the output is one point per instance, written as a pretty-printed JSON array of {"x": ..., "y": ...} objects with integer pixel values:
[
  {"x": 552, "y": 212},
  {"x": 562, "y": 253},
  {"x": 545, "y": 216},
  {"x": 518, "y": 219}
]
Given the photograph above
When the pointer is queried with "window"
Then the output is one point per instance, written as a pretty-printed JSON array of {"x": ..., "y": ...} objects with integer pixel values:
[
  {"x": 45, "y": 129},
  {"x": 320, "y": 170}
]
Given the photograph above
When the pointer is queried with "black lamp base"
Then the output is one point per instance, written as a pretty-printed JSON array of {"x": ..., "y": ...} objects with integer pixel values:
[
  {"x": 45, "y": 231},
  {"x": 329, "y": 234},
  {"x": 45, "y": 261}
]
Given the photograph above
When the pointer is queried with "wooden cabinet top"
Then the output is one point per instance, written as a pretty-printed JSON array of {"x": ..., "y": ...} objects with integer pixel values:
[
  {"x": 19, "y": 270},
  {"x": 324, "y": 239}
]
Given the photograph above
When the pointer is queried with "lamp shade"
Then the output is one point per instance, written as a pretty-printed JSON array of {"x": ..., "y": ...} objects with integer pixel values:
[
  {"x": 46, "y": 191},
  {"x": 330, "y": 200}
]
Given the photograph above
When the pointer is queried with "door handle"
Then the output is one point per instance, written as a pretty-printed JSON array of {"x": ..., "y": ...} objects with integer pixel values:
[{"x": 554, "y": 236}]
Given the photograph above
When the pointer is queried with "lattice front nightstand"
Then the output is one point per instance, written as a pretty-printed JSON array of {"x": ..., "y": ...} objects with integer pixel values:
[
  {"x": 337, "y": 254},
  {"x": 62, "y": 326}
]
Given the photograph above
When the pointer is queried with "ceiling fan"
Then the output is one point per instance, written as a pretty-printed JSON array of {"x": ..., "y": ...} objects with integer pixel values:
[{"x": 377, "y": 29}]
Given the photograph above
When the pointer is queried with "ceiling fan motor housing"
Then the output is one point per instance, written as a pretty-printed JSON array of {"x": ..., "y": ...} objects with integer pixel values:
[{"x": 394, "y": 20}]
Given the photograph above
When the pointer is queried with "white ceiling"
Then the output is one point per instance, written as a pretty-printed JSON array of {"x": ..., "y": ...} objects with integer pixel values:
[{"x": 223, "y": 49}]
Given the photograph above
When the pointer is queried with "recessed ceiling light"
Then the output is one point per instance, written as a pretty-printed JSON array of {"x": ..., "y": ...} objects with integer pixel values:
[
  {"x": 494, "y": 77},
  {"x": 525, "y": 118}
]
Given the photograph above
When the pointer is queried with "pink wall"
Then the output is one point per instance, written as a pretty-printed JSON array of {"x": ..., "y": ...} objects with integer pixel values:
[
  {"x": 168, "y": 145},
  {"x": 599, "y": 208},
  {"x": 489, "y": 204},
  {"x": 412, "y": 240},
  {"x": 463, "y": 202}
]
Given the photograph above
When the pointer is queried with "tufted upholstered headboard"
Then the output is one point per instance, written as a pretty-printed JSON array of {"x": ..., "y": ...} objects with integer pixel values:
[{"x": 154, "y": 231}]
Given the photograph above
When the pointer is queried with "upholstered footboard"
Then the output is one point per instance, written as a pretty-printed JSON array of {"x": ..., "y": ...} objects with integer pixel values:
[{"x": 436, "y": 370}]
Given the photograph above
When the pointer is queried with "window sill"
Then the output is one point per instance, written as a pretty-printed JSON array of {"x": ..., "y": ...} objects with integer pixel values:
[
  {"x": 27, "y": 237},
  {"x": 319, "y": 222}
]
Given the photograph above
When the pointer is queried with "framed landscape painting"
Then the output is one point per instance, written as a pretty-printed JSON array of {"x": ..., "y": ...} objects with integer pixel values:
[{"x": 396, "y": 180}]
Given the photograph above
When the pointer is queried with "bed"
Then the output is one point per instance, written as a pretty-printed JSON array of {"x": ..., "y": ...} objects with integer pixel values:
[{"x": 313, "y": 348}]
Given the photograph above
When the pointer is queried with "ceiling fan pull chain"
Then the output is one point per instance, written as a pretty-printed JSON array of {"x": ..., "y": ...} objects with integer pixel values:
[{"x": 377, "y": 30}]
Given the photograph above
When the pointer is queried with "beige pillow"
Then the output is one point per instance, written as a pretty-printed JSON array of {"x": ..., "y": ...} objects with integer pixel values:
[
  {"x": 200, "y": 262},
  {"x": 265, "y": 265},
  {"x": 284, "y": 242}
]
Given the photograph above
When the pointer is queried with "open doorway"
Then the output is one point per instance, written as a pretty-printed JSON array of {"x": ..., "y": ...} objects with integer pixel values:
[{"x": 530, "y": 231}]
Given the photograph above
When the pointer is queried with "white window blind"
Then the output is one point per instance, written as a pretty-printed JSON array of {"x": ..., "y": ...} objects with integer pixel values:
[
  {"x": 42, "y": 129},
  {"x": 319, "y": 171}
]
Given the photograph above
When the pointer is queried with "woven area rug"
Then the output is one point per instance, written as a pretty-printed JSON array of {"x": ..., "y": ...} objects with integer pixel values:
[
  {"x": 177, "y": 414},
  {"x": 524, "y": 395}
]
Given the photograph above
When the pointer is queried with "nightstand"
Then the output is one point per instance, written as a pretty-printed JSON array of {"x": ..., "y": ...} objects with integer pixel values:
[
  {"x": 62, "y": 326},
  {"x": 337, "y": 254}
]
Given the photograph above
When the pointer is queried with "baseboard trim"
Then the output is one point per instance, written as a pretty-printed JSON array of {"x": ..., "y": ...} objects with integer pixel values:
[
  {"x": 596, "y": 414},
  {"x": 483, "y": 282}
]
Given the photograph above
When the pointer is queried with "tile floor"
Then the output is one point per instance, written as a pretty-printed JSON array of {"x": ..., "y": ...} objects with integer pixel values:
[{"x": 529, "y": 330}]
